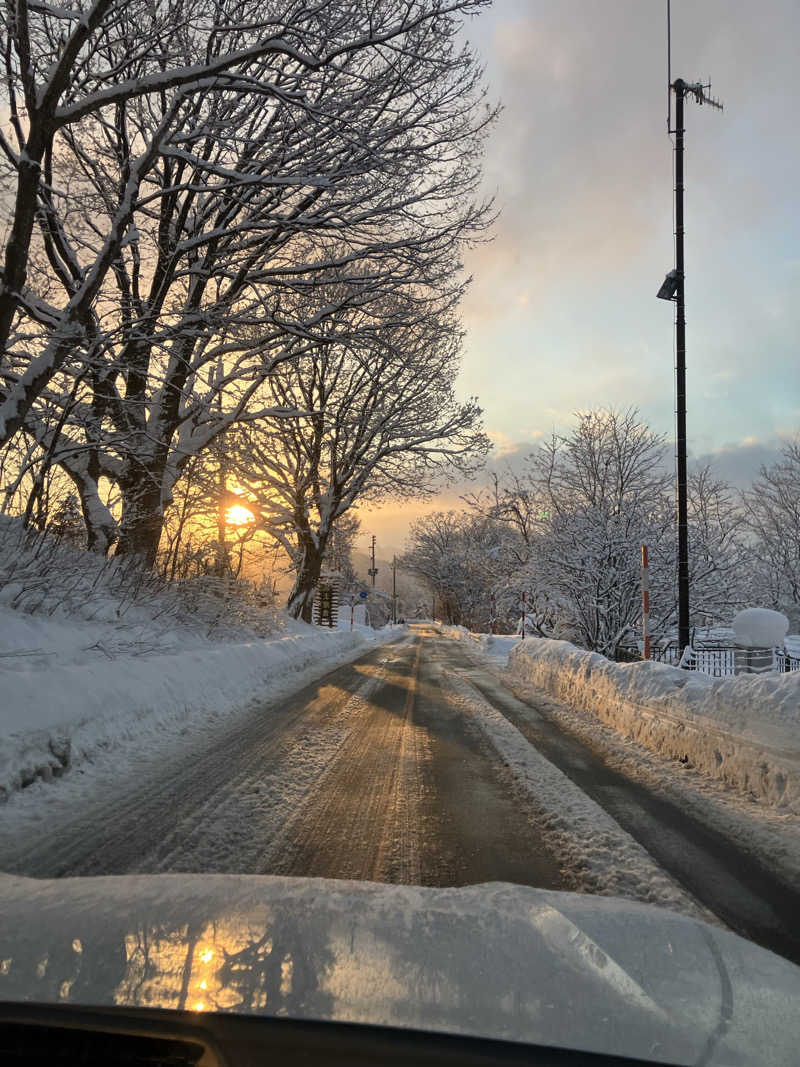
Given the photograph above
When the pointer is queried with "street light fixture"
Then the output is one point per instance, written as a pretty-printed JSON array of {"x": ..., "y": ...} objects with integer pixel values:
[{"x": 669, "y": 287}]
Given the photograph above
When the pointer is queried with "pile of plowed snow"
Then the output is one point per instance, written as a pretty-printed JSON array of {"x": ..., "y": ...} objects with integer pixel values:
[{"x": 744, "y": 729}]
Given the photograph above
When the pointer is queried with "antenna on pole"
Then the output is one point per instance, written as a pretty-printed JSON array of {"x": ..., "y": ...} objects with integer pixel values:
[
  {"x": 669, "y": 69},
  {"x": 698, "y": 91}
]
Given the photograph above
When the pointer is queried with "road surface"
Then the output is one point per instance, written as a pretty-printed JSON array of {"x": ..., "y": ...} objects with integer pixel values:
[
  {"x": 384, "y": 782},
  {"x": 370, "y": 773}
]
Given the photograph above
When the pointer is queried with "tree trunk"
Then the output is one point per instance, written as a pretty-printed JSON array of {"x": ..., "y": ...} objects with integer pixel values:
[
  {"x": 301, "y": 599},
  {"x": 101, "y": 529},
  {"x": 142, "y": 519},
  {"x": 15, "y": 267}
]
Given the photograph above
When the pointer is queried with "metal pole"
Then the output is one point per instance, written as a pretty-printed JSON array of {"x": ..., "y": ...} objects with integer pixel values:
[
  {"x": 373, "y": 571},
  {"x": 680, "y": 372},
  {"x": 394, "y": 589},
  {"x": 523, "y": 617},
  {"x": 645, "y": 605}
]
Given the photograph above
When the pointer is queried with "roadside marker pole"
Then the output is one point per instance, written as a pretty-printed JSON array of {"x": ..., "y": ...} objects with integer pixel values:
[
  {"x": 491, "y": 614},
  {"x": 352, "y": 602},
  {"x": 645, "y": 604},
  {"x": 523, "y": 616}
]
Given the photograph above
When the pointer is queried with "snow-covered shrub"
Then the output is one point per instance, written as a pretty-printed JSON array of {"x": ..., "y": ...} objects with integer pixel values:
[{"x": 40, "y": 575}]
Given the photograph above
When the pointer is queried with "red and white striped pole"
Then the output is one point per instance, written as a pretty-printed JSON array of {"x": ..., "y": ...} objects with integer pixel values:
[
  {"x": 645, "y": 605},
  {"x": 523, "y": 616}
]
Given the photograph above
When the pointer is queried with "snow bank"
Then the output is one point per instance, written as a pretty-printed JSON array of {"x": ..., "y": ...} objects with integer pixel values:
[
  {"x": 744, "y": 730},
  {"x": 94, "y": 652},
  {"x": 69, "y": 688},
  {"x": 496, "y": 646}
]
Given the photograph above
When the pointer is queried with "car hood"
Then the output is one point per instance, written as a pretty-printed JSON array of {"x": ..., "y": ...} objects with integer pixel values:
[{"x": 497, "y": 960}]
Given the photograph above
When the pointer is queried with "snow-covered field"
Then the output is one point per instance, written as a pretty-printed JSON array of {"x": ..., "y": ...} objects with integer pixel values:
[{"x": 88, "y": 667}]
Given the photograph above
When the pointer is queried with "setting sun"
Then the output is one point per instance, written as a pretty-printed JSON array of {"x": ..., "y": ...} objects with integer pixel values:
[{"x": 238, "y": 515}]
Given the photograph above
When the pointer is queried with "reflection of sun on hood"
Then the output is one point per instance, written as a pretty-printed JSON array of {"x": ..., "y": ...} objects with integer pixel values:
[{"x": 496, "y": 961}]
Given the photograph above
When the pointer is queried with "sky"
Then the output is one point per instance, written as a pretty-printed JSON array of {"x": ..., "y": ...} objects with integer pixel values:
[{"x": 562, "y": 315}]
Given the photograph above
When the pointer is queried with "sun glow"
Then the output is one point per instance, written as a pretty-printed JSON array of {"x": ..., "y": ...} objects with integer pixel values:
[{"x": 239, "y": 515}]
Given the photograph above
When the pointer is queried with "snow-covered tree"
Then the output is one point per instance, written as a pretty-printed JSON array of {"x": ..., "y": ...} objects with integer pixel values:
[
  {"x": 772, "y": 510},
  {"x": 180, "y": 97},
  {"x": 516, "y": 509},
  {"x": 720, "y": 558},
  {"x": 204, "y": 210},
  {"x": 436, "y": 553},
  {"x": 461, "y": 558},
  {"x": 581, "y": 509},
  {"x": 67, "y": 523},
  {"x": 567, "y": 531},
  {"x": 380, "y": 419},
  {"x": 339, "y": 550}
]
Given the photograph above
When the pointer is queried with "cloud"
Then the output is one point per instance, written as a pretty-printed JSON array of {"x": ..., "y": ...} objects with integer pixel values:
[
  {"x": 502, "y": 445},
  {"x": 740, "y": 463},
  {"x": 562, "y": 312}
]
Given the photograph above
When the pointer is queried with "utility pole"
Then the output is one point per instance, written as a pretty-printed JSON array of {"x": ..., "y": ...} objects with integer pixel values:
[
  {"x": 680, "y": 380},
  {"x": 394, "y": 589},
  {"x": 373, "y": 569},
  {"x": 673, "y": 288}
]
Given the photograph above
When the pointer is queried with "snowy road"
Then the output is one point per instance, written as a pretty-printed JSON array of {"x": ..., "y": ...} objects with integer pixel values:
[
  {"x": 364, "y": 774},
  {"x": 376, "y": 772}
]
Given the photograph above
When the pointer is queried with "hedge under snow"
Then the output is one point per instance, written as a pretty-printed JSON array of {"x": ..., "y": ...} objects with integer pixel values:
[{"x": 744, "y": 729}]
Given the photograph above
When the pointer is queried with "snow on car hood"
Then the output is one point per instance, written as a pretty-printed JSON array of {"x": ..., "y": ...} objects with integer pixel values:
[{"x": 495, "y": 960}]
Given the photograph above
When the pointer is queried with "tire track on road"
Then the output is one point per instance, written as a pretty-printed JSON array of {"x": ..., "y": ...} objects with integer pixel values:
[
  {"x": 116, "y": 834},
  {"x": 360, "y": 822}
]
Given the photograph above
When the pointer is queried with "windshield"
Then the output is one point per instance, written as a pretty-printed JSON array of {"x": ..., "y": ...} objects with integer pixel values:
[{"x": 399, "y": 604}]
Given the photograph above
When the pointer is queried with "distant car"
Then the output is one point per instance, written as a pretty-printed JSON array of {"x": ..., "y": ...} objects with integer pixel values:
[{"x": 265, "y": 969}]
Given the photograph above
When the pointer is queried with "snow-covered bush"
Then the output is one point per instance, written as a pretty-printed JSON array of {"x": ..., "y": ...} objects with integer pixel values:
[{"x": 40, "y": 575}]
